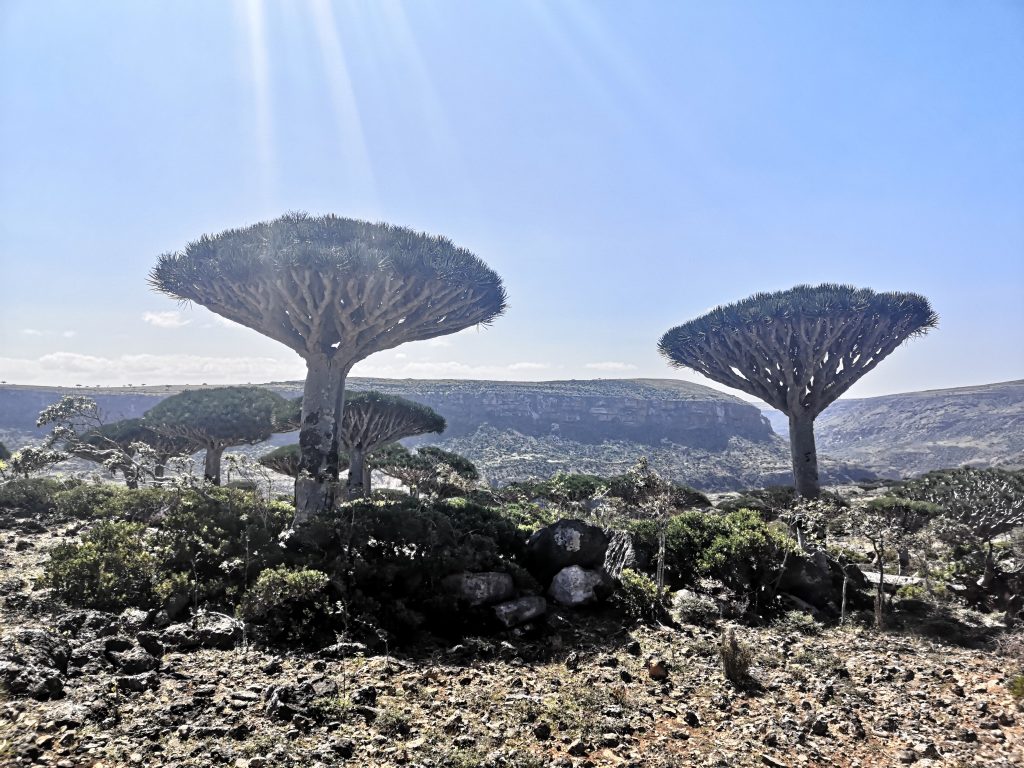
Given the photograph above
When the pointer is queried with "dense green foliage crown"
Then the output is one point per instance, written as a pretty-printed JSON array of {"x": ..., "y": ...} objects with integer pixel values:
[{"x": 232, "y": 414}]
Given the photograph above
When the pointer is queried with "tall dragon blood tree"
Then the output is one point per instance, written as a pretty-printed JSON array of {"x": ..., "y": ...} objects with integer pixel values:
[
  {"x": 799, "y": 350},
  {"x": 335, "y": 290}
]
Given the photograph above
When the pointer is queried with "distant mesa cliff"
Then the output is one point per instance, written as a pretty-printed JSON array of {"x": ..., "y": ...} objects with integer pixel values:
[
  {"x": 645, "y": 411},
  {"x": 913, "y": 432}
]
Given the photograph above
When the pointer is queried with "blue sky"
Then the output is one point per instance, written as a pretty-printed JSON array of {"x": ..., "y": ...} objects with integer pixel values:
[{"x": 624, "y": 167}]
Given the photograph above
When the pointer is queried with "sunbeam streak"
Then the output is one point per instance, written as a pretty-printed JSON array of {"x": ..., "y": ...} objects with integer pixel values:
[
  {"x": 252, "y": 16},
  {"x": 358, "y": 170}
]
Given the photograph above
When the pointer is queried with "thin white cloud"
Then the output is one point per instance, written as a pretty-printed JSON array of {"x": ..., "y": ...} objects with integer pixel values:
[
  {"x": 610, "y": 365},
  {"x": 171, "y": 319},
  {"x": 528, "y": 366},
  {"x": 37, "y": 332}
]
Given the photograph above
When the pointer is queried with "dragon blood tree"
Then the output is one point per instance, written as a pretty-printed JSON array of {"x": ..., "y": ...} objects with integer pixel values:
[
  {"x": 372, "y": 420},
  {"x": 215, "y": 419},
  {"x": 286, "y": 460},
  {"x": 799, "y": 350},
  {"x": 335, "y": 290}
]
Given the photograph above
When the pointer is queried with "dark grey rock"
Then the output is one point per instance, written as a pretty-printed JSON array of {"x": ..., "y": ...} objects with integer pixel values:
[
  {"x": 135, "y": 661},
  {"x": 520, "y": 611},
  {"x": 575, "y": 586},
  {"x": 620, "y": 554},
  {"x": 565, "y": 543},
  {"x": 33, "y": 663},
  {"x": 480, "y": 588}
]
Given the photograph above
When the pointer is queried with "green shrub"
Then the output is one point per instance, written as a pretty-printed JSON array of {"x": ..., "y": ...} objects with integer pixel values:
[
  {"x": 1016, "y": 687},
  {"x": 289, "y": 604},
  {"x": 83, "y": 501},
  {"x": 528, "y": 516},
  {"x": 738, "y": 548},
  {"x": 110, "y": 569},
  {"x": 391, "y": 556},
  {"x": 745, "y": 553},
  {"x": 637, "y": 596},
  {"x": 221, "y": 538},
  {"x": 798, "y": 621},
  {"x": 33, "y": 495}
]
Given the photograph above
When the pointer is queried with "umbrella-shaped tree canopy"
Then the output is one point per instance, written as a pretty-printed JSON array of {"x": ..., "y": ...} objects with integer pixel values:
[
  {"x": 799, "y": 350},
  {"x": 335, "y": 290},
  {"x": 373, "y": 419},
  {"x": 216, "y": 419}
]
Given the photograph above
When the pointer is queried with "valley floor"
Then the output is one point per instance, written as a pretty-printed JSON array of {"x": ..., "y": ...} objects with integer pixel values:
[{"x": 577, "y": 694}]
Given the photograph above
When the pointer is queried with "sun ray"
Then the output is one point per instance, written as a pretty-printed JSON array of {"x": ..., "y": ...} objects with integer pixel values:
[
  {"x": 251, "y": 13},
  {"x": 351, "y": 139}
]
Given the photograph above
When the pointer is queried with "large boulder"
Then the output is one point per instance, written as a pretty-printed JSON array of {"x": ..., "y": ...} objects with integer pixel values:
[
  {"x": 818, "y": 581},
  {"x": 562, "y": 544},
  {"x": 516, "y": 612},
  {"x": 206, "y": 630},
  {"x": 480, "y": 588},
  {"x": 33, "y": 663},
  {"x": 575, "y": 586},
  {"x": 286, "y": 701}
]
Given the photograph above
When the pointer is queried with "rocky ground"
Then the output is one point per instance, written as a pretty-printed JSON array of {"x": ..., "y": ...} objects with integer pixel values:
[{"x": 583, "y": 690}]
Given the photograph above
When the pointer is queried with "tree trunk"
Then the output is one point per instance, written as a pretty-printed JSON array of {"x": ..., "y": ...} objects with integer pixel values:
[
  {"x": 805, "y": 456},
  {"x": 159, "y": 468},
  {"x": 211, "y": 468},
  {"x": 323, "y": 402},
  {"x": 358, "y": 487}
]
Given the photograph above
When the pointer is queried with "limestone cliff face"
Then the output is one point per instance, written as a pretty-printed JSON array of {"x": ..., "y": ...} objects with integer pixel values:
[
  {"x": 647, "y": 411},
  {"x": 20, "y": 406},
  {"x": 641, "y": 411}
]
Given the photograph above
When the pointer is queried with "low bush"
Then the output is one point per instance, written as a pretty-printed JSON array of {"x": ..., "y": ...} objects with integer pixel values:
[
  {"x": 736, "y": 658},
  {"x": 738, "y": 549},
  {"x": 220, "y": 538},
  {"x": 288, "y": 604},
  {"x": 110, "y": 569},
  {"x": 32, "y": 495},
  {"x": 391, "y": 556},
  {"x": 637, "y": 596}
]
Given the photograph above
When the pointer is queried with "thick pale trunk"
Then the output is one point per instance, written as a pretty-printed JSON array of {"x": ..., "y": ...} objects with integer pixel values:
[
  {"x": 323, "y": 402},
  {"x": 358, "y": 477},
  {"x": 211, "y": 468},
  {"x": 805, "y": 456}
]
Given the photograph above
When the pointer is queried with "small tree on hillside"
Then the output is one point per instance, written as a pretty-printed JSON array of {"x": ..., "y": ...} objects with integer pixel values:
[
  {"x": 430, "y": 470},
  {"x": 31, "y": 458},
  {"x": 989, "y": 502},
  {"x": 799, "y": 350},
  {"x": 4, "y": 453},
  {"x": 334, "y": 290},
  {"x": 889, "y": 524},
  {"x": 78, "y": 430},
  {"x": 216, "y": 419},
  {"x": 372, "y": 420}
]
